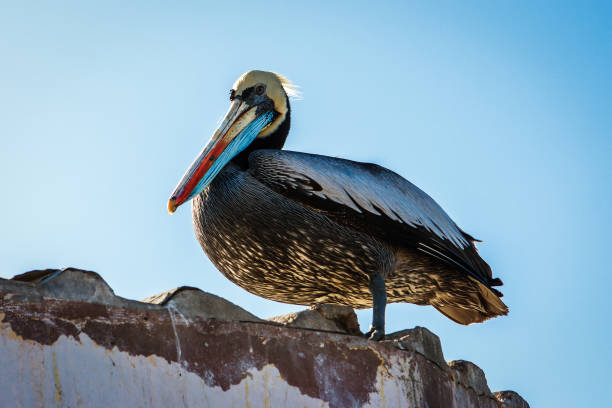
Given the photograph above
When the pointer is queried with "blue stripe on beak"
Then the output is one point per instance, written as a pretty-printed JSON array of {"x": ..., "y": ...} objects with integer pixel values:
[{"x": 237, "y": 145}]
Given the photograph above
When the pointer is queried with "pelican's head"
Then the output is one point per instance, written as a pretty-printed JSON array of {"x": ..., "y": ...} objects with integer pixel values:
[{"x": 259, "y": 106}]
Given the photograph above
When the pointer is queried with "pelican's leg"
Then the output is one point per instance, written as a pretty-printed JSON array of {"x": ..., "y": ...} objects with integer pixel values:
[{"x": 379, "y": 300}]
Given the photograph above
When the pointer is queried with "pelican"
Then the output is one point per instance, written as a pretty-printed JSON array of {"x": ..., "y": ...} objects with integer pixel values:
[{"x": 308, "y": 229}]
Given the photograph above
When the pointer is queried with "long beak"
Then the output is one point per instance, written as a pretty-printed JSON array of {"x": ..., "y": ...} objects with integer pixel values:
[{"x": 239, "y": 127}]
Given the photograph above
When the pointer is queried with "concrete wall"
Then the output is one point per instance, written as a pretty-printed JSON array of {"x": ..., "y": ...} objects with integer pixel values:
[{"x": 66, "y": 340}]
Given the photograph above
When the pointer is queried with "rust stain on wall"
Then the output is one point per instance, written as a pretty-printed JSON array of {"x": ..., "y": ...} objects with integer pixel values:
[
  {"x": 337, "y": 369},
  {"x": 56, "y": 378},
  {"x": 211, "y": 348}
]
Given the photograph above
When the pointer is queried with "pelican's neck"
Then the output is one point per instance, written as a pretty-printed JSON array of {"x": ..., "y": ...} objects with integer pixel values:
[{"x": 275, "y": 140}]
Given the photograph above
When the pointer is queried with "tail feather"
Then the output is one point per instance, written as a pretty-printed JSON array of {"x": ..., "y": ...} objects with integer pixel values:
[{"x": 486, "y": 305}]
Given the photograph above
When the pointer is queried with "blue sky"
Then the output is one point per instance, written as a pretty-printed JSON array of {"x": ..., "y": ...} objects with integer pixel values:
[{"x": 501, "y": 111}]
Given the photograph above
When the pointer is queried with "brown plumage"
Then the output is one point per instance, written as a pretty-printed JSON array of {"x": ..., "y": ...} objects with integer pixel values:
[{"x": 306, "y": 229}]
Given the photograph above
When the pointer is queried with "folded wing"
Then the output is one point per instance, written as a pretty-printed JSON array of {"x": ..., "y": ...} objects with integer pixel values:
[{"x": 374, "y": 200}]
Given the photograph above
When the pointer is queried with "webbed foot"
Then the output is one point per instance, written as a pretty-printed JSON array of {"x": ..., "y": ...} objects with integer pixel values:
[{"x": 375, "y": 334}]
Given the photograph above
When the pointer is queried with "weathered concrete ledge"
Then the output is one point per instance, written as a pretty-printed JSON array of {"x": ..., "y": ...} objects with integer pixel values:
[{"x": 67, "y": 340}]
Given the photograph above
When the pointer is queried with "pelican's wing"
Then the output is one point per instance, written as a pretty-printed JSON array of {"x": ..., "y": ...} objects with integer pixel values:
[{"x": 371, "y": 199}]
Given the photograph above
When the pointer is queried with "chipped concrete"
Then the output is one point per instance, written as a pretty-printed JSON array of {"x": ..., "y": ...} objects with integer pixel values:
[
  {"x": 331, "y": 318},
  {"x": 420, "y": 340},
  {"x": 470, "y": 376},
  {"x": 511, "y": 399},
  {"x": 69, "y": 344},
  {"x": 195, "y": 303}
]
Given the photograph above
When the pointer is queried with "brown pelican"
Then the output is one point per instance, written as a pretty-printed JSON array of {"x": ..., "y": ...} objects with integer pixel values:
[{"x": 305, "y": 229}]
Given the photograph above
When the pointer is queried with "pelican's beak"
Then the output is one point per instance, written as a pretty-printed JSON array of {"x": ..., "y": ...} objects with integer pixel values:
[{"x": 241, "y": 125}]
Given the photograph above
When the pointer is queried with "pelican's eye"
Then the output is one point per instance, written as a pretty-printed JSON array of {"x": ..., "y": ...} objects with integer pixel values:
[
  {"x": 232, "y": 94},
  {"x": 260, "y": 89}
]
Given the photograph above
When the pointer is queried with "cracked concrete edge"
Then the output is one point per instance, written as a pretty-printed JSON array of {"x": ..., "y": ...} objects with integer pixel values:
[
  {"x": 87, "y": 286},
  {"x": 510, "y": 399},
  {"x": 194, "y": 303},
  {"x": 329, "y": 318},
  {"x": 74, "y": 284},
  {"x": 422, "y": 341},
  {"x": 470, "y": 376}
]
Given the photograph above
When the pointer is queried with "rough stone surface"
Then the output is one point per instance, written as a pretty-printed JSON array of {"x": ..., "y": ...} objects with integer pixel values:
[
  {"x": 192, "y": 303},
  {"x": 510, "y": 399},
  {"x": 331, "y": 318},
  {"x": 66, "y": 340},
  {"x": 67, "y": 284},
  {"x": 470, "y": 375},
  {"x": 420, "y": 340}
]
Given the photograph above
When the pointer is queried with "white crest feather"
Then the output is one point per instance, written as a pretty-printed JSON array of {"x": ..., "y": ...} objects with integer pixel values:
[{"x": 290, "y": 88}]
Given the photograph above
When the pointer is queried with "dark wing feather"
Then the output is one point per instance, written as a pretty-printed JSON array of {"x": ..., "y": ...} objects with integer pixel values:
[{"x": 371, "y": 199}]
